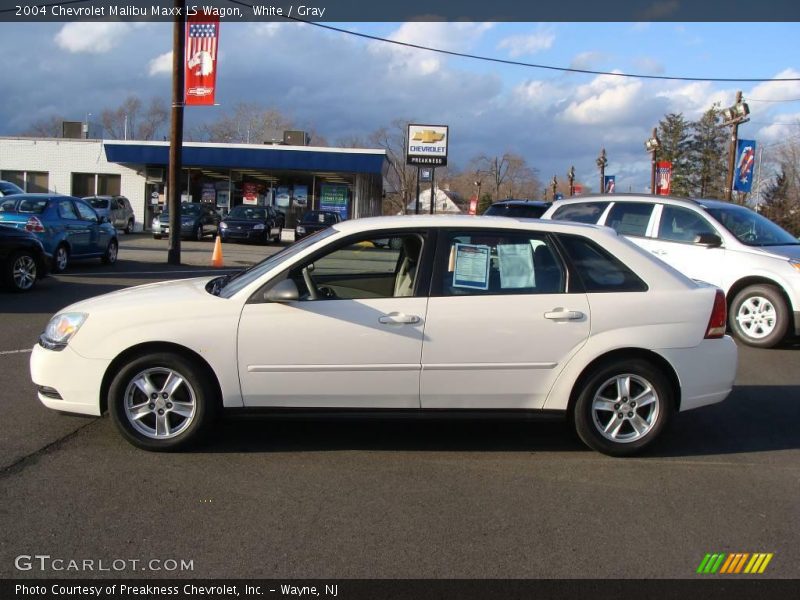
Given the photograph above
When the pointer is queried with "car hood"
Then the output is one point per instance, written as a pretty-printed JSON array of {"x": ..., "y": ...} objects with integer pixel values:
[
  {"x": 784, "y": 252},
  {"x": 156, "y": 295}
]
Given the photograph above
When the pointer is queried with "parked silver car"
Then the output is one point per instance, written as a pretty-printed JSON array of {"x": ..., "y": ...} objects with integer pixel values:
[{"x": 117, "y": 209}]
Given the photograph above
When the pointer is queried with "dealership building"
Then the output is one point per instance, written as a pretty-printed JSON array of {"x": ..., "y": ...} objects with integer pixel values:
[{"x": 293, "y": 178}]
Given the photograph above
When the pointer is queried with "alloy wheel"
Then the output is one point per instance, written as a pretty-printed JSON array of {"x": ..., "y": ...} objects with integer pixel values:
[
  {"x": 23, "y": 272},
  {"x": 160, "y": 403},
  {"x": 757, "y": 317},
  {"x": 625, "y": 408}
]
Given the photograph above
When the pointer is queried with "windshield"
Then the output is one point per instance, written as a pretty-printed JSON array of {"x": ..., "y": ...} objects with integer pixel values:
[
  {"x": 319, "y": 217},
  {"x": 98, "y": 203},
  {"x": 248, "y": 212},
  {"x": 245, "y": 278},
  {"x": 751, "y": 228},
  {"x": 186, "y": 209}
]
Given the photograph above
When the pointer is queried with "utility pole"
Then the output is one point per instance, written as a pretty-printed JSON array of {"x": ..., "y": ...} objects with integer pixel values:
[
  {"x": 602, "y": 163},
  {"x": 554, "y": 185},
  {"x": 416, "y": 202},
  {"x": 433, "y": 188},
  {"x": 734, "y": 116},
  {"x": 176, "y": 135},
  {"x": 652, "y": 145}
]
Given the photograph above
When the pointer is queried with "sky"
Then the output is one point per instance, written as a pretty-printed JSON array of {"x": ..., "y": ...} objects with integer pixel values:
[{"x": 345, "y": 86}]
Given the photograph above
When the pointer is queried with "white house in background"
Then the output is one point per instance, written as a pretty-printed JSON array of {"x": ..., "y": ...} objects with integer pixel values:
[{"x": 445, "y": 202}]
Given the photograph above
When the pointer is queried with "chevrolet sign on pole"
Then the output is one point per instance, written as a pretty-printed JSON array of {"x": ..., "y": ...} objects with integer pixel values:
[{"x": 427, "y": 145}]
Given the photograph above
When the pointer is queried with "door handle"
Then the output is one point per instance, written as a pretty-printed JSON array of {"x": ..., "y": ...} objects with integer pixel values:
[
  {"x": 398, "y": 319},
  {"x": 564, "y": 315},
  {"x": 659, "y": 252}
]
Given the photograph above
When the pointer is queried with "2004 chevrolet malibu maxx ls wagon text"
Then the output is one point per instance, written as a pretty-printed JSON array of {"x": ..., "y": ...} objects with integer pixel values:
[{"x": 456, "y": 314}]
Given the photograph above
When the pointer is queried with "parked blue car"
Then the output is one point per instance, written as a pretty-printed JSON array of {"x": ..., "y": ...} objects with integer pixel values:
[{"x": 68, "y": 227}]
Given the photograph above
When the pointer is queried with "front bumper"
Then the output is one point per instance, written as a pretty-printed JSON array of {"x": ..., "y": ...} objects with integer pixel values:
[
  {"x": 243, "y": 234},
  {"x": 76, "y": 379},
  {"x": 705, "y": 372},
  {"x": 797, "y": 322}
]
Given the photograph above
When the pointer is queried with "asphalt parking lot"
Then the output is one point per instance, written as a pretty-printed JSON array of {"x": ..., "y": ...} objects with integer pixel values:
[{"x": 388, "y": 499}]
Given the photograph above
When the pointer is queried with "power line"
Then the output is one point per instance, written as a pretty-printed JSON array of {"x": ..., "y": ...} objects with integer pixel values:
[
  {"x": 757, "y": 100},
  {"x": 516, "y": 63}
]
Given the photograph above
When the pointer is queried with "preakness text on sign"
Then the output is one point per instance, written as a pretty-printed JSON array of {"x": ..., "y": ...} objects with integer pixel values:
[{"x": 427, "y": 145}]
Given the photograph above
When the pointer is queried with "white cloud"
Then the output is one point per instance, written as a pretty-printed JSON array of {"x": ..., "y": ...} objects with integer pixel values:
[
  {"x": 694, "y": 98},
  {"x": 527, "y": 44},
  {"x": 648, "y": 65},
  {"x": 160, "y": 65},
  {"x": 785, "y": 126},
  {"x": 91, "y": 38},
  {"x": 777, "y": 90},
  {"x": 607, "y": 100},
  {"x": 587, "y": 60}
]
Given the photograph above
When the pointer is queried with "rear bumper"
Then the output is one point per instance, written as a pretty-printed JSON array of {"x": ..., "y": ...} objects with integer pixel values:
[{"x": 705, "y": 372}]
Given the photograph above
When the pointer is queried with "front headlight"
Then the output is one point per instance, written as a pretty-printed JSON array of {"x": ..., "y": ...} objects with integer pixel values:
[
  {"x": 60, "y": 330},
  {"x": 258, "y": 226},
  {"x": 300, "y": 229},
  {"x": 223, "y": 225},
  {"x": 795, "y": 264}
]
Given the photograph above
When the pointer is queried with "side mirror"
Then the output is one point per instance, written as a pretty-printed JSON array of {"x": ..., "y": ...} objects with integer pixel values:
[
  {"x": 283, "y": 291},
  {"x": 710, "y": 240}
]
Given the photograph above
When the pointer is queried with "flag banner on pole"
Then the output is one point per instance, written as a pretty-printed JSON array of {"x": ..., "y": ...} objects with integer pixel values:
[
  {"x": 745, "y": 165},
  {"x": 202, "y": 44},
  {"x": 663, "y": 177},
  {"x": 473, "y": 205},
  {"x": 610, "y": 184}
]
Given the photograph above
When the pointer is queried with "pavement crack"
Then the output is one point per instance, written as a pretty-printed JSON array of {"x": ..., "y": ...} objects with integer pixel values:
[{"x": 24, "y": 462}]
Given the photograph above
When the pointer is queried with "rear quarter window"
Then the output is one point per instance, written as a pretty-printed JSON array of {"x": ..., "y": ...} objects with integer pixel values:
[
  {"x": 583, "y": 212},
  {"x": 35, "y": 207},
  {"x": 598, "y": 269}
]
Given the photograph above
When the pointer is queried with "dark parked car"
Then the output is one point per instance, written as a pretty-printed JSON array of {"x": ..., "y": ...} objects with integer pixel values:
[
  {"x": 117, "y": 209},
  {"x": 520, "y": 209},
  {"x": 252, "y": 223},
  {"x": 22, "y": 259},
  {"x": 315, "y": 220},
  {"x": 67, "y": 227},
  {"x": 9, "y": 189},
  {"x": 197, "y": 220}
]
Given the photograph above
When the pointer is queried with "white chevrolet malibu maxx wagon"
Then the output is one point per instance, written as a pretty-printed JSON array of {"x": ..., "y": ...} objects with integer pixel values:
[{"x": 417, "y": 315}]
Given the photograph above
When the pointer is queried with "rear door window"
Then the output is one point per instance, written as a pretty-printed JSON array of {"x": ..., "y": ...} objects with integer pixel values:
[
  {"x": 66, "y": 210},
  {"x": 599, "y": 270},
  {"x": 582, "y": 212},
  {"x": 630, "y": 218}
]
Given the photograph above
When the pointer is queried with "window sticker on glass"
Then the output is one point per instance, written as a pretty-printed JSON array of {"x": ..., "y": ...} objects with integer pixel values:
[
  {"x": 472, "y": 267},
  {"x": 516, "y": 266}
]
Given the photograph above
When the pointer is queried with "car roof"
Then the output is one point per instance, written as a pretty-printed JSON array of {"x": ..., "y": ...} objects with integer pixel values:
[
  {"x": 519, "y": 202},
  {"x": 631, "y": 197}
]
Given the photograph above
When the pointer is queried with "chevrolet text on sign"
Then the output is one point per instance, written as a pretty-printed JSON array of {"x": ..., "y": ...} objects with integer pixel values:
[{"x": 427, "y": 145}]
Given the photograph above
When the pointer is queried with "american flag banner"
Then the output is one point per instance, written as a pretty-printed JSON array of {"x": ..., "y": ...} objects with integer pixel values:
[
  {"x": 745, "y": 161},
  {"x": 202, "y": 44},
  {"x": 663, "y": 177}
]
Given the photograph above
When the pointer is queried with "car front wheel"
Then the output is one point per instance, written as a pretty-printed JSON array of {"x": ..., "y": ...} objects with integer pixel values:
[
  {"x": 129, "y": 227},
  {"x": 162, "y": 402},
  {"x": 198, "y": 235},
  {"x": 759, "y": 316},
  {"x": 21, "y": 271},
  {"x": 110, "y": 257},
  {"x": 623, "y": 407},
  {"x": 60, "y": 259}
]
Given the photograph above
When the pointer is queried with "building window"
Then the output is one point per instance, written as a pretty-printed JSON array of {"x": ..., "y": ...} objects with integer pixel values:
[
  {"x": 92, "y": 184},
  {"x": 30, "y": 181}
]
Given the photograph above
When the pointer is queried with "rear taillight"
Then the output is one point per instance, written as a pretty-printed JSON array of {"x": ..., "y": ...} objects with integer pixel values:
[
  {"x": 34, "y": 225},
  {"x": 719, "y": 317}
]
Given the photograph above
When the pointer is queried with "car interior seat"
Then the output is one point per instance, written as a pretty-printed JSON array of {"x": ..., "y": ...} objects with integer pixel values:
[{"x": 409, "y": 259}]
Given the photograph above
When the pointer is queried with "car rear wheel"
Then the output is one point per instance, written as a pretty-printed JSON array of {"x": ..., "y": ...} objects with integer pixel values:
[
  {"x": 198, "y": 234},
  {"x": 162, "y": 402},
  {"x": 759, "y": 316},
  {"x": 21, "y": 271},
  {"x": 623, "y": 407},
  {"x": 110, "y": 257},
  {"x": 60, "y": 258},
  {"x": 129, "y": 227}
]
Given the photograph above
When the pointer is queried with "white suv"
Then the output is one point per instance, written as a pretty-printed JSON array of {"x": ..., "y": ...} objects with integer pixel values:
[{"x": 752, "y": 259}]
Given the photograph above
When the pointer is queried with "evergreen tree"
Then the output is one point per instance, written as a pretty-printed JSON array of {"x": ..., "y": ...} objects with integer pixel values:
[
  {"x": 674, "y": 133},
  {"x": 708, "y": 151},
  {"x": 781, "y": 203}
]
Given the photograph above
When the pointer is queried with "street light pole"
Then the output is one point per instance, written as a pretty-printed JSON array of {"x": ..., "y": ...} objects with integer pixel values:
[
  {"x": 734, "y": 116},
  {"x": 652, "y": 146},
  {"x": 602, "y": 163},
  {"x": 571, "y": 177},
  {"x": 554, "y": 185},
  {"x": 176, "y": 136}
]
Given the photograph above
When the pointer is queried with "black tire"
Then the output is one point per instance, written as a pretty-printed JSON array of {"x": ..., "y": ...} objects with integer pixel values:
[
  {"x": 278, "y": 237},
  {"x": 198, "y": 234},
  {"x": 110, "y": 256},
  {"x": 129, "y": 227},
  {"x": 652, "y": 417},
  {"x": 156, "y": 236},
  {"x": 200, "y": 393},
  {"x": 21, "y": 271},
  {"x": 60, "y": 259},
  {"x": 753, "y": 327}
]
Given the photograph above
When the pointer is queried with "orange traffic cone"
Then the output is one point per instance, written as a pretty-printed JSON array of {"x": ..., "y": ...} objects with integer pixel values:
[{"x": 216, "y": 257}]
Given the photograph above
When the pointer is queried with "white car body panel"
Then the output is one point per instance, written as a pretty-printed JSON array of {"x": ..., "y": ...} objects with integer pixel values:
[{"x": 335, "y": 353}]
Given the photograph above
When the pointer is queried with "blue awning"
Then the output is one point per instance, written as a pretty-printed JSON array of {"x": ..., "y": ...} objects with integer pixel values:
[{"x": 239, "y": 156}]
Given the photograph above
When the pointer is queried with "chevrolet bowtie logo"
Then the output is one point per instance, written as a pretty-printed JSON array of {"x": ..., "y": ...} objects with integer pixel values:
[{"x": 428, "y": 136}]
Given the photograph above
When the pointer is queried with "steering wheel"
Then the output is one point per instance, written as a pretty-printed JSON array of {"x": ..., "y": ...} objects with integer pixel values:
[
  {"x": 313, "y": 291},
  {"x": 749, "y": 237}
]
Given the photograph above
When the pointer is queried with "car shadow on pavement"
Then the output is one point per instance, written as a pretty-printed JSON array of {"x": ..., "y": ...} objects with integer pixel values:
[{"x": 753, "y": 419}]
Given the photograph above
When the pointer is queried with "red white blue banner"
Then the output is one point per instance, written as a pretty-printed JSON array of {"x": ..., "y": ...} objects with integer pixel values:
[
  {"x": 663, "y": 178},
  {"x": 745, "y": 165},
  {"x": 202, "y": 44},
  {"x": 610, "y": 184}
]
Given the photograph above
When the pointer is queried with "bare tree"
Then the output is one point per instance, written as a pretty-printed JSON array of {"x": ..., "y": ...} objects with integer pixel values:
[
  {"x": 120, "y": 123},
  {"x": 248, "y": 123},
  {"x": 153, "y": 120},
  {"x": 46, "y": 127},
  {"x": 402, "y": 177}
]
